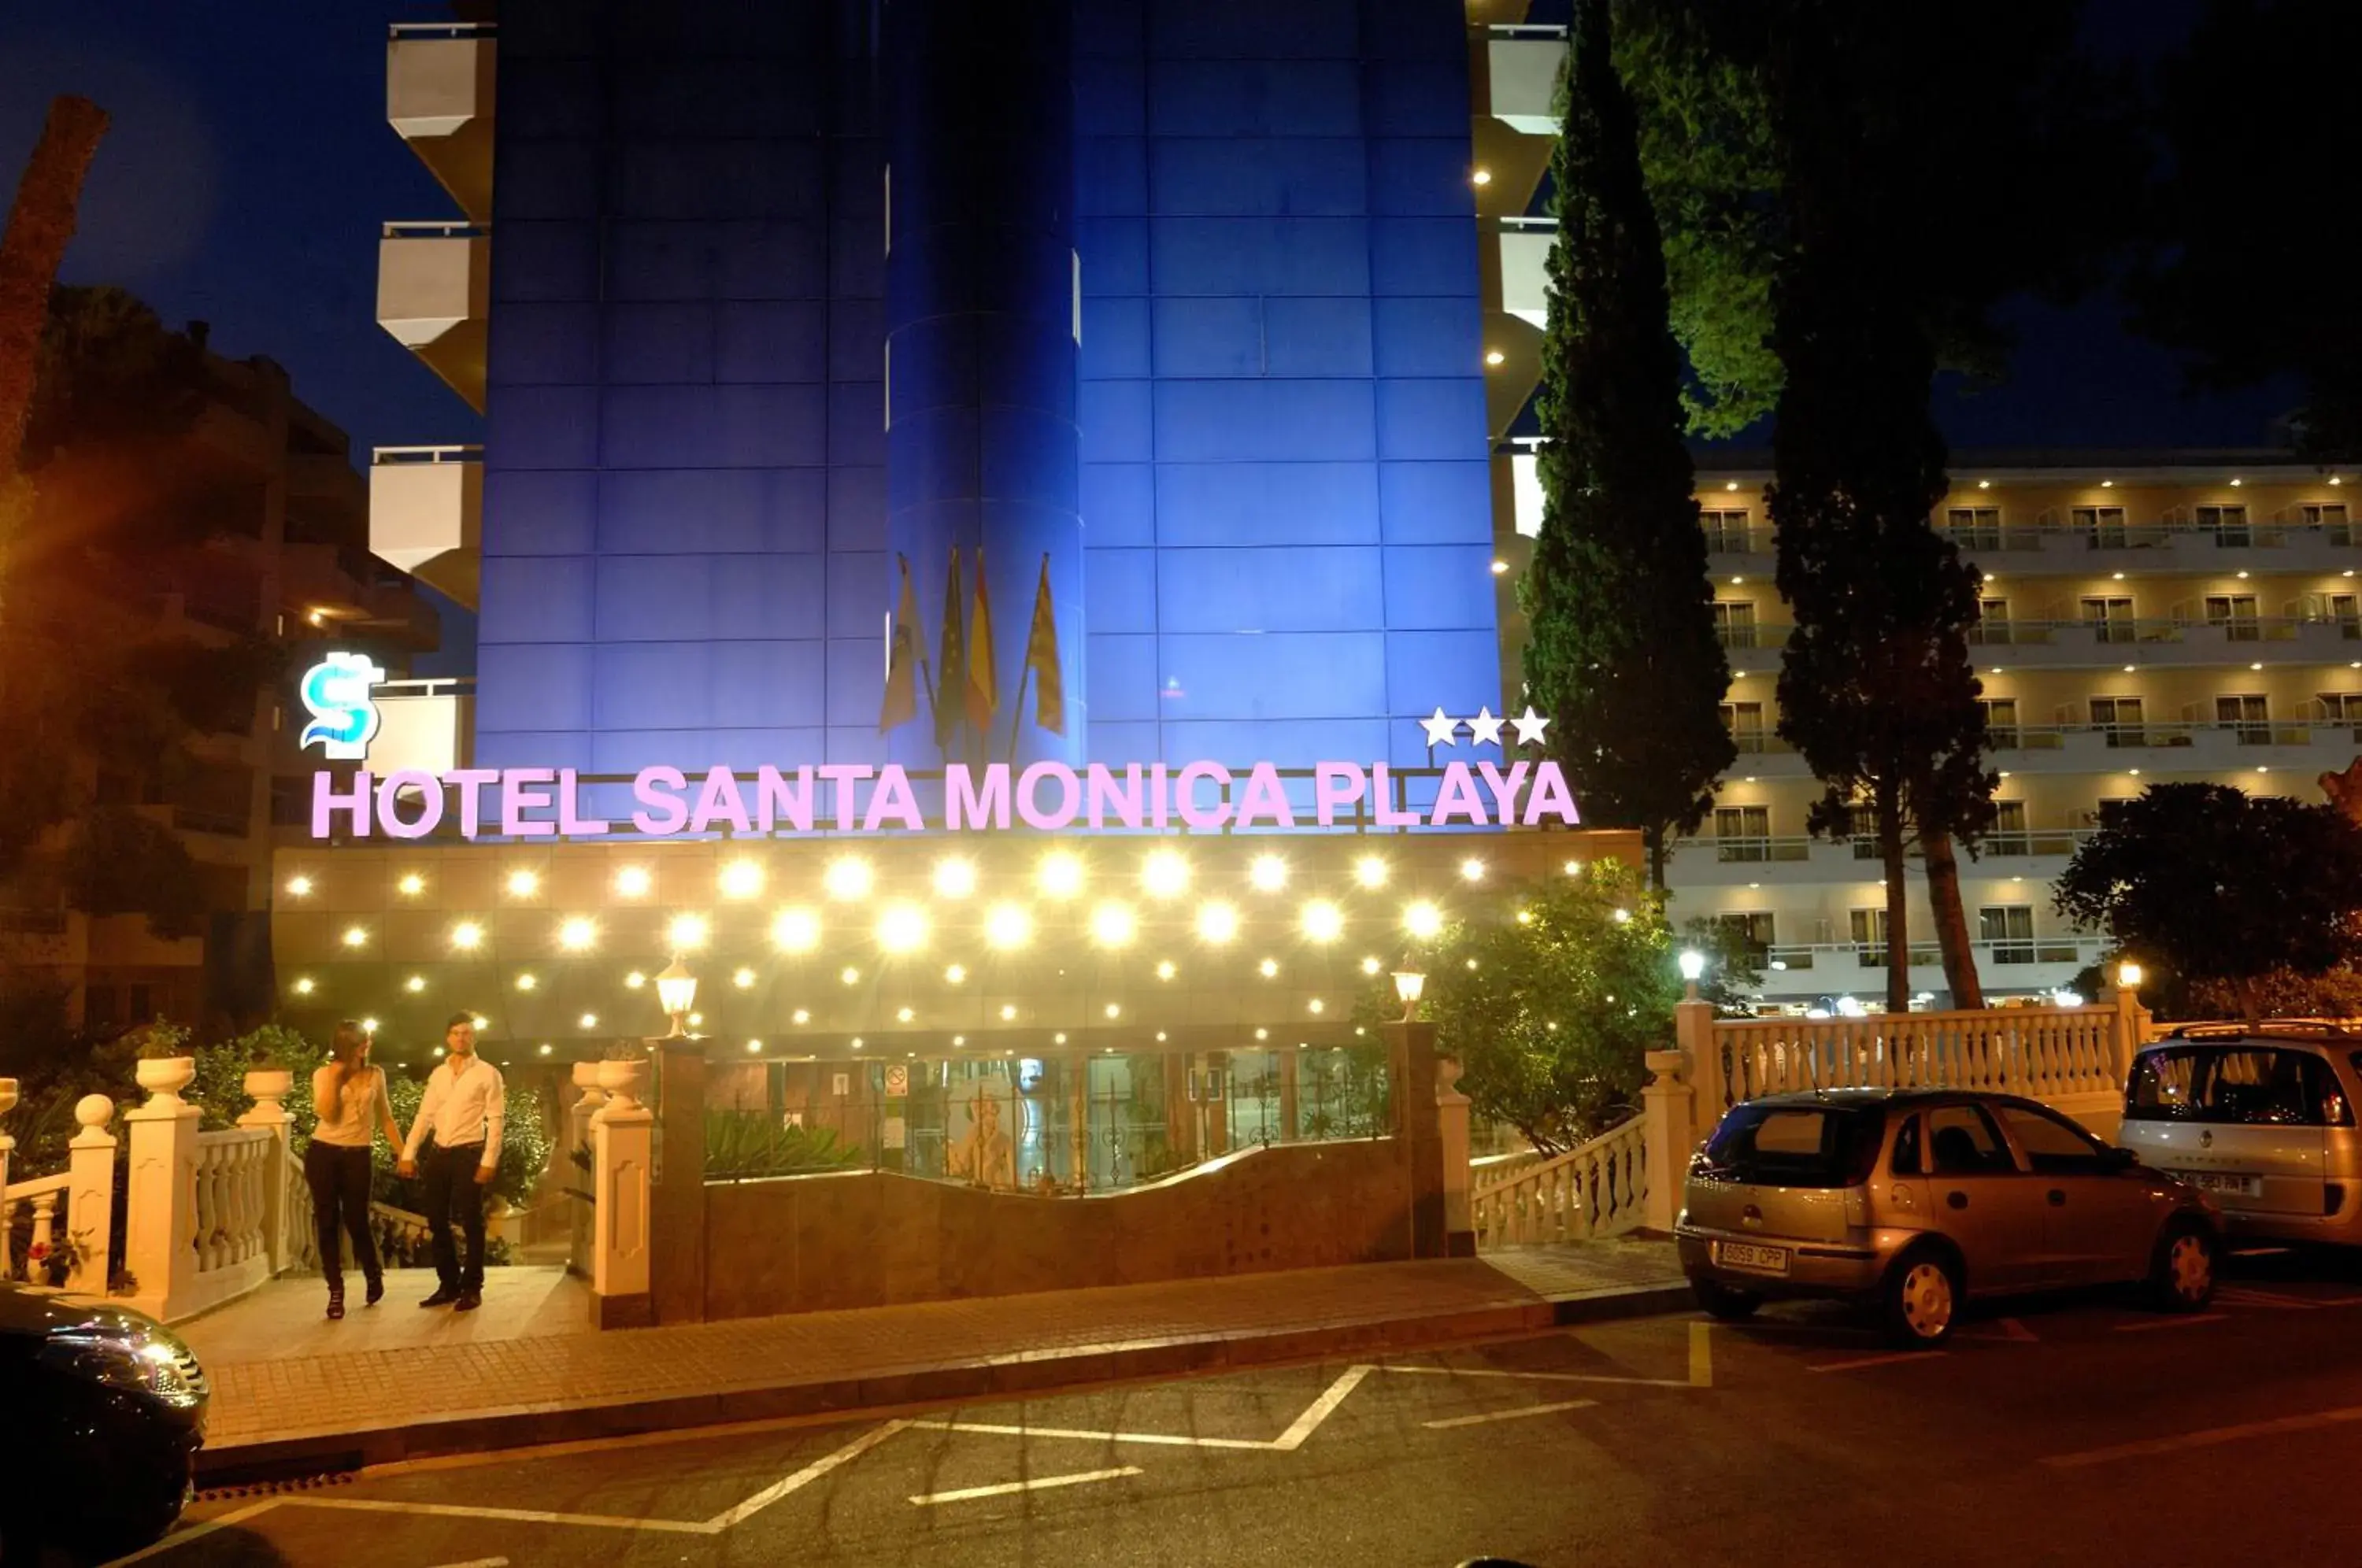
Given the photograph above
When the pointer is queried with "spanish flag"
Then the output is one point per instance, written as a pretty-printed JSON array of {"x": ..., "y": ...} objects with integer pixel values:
[
  {"x": 1042, "y": 659},
  {"x": 901, "y": 704},
  {"x": 983, "y": 675},
  {"x": 948, "y": 677}
]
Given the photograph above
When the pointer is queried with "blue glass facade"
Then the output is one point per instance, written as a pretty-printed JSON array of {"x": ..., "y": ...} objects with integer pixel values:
[{"x": 1260, "y": 473}]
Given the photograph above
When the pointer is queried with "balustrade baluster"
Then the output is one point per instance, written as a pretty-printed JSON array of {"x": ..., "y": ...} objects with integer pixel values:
[{"x": 45, "y": 1206}]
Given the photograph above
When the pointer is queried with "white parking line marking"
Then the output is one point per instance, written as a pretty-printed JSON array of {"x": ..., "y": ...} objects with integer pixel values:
[
  {"x": 1887, "y": 1359},
  {"x": 512, "y": 1516},
  {"x": 182, "y": 1537},
  {"x": 2170, "y": 1322},
  {"x": 968, "y": 1494},
  {"x": 804, "y": 1477},
  {"x": 2242, "y": 1295},
  {"x": 1544, "y": 1376},
  {"x": 480, "y": 1562},
  {"x": 2011, "y": 1330},
  {"x": 2206, "y": 1439},
  {"x": 1320, "y": 1409},
  {"x": 1162, "y": 1439},
  {"x": 1510, "y": 1415}
]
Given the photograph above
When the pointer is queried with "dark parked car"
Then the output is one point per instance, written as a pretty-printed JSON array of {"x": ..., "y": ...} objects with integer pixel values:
[{"x": 101, "y": 1411}]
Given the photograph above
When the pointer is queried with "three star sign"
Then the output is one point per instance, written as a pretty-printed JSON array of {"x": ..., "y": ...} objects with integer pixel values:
[{"x": 1484, "y": 728}]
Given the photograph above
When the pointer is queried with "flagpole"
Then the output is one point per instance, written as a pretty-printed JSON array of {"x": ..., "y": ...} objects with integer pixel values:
[{"x": 1017, "y": 718}]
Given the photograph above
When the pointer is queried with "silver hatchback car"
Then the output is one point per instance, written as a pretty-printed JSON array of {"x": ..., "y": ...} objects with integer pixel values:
[
  {"x": 1915, "y": 1200},
  {"x": 2261, "y": 1117}
]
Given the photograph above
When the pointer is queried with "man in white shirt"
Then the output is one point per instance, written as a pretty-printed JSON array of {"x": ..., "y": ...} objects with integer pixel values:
[{"x": 464, "y": 1107}]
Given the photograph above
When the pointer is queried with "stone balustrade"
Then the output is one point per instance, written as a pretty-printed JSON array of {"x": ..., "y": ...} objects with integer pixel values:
[
  {"x": 1594, "y": 1190},
  {"x": 73, "y": 1208}
]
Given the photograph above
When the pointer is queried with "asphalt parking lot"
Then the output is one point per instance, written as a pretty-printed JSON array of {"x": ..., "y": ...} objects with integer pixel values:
[{"x": 2074, "y": 1430}]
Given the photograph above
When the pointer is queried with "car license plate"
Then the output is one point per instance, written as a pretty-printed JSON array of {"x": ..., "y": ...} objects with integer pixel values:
[
  {"x": 2223, "y": 1181},
  {"x": 1753, "y": 1259}
]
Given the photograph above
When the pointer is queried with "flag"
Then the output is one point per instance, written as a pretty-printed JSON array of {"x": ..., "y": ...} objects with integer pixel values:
[
  {"x": 949, "y": 681},
  {"x": 983, "y": 674},
  {"x": 1042, "y": 659},
  {"x": 902, "y": 703}
]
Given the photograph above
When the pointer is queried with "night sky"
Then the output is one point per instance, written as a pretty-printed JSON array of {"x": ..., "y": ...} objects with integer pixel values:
[{"x": 250, "y": 165}]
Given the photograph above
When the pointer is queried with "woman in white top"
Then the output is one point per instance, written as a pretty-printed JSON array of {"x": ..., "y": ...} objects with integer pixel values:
[{"x": 350, "y": 1097}]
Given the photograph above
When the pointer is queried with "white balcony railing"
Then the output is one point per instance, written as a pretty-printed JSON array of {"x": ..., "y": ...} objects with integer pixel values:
[
  {"x": 427, "y": 509},
  {"x": 439, "y": 88},
  {"x": 1524, "y": 63}
]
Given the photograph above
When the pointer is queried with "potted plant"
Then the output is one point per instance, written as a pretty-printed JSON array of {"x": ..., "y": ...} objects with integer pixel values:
[
  {"x": 623, "y": 1066},
  {"x": 164, "y": 1066}
]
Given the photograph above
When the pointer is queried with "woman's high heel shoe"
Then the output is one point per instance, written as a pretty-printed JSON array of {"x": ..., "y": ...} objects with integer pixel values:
[
  {"x": 376, "y": 1292},
  {"x": 335, "y": 1301}
]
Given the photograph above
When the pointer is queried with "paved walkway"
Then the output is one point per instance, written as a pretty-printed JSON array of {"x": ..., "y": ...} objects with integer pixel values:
[{"x": 293, "y": 1391}]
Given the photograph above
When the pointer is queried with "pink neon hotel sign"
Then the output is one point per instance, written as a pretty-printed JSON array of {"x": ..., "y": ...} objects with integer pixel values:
[{"x": 544, "y": 802}]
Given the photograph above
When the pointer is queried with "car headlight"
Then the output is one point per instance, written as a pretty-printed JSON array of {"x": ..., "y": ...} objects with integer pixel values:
[{"x": 153, "y": 1367}]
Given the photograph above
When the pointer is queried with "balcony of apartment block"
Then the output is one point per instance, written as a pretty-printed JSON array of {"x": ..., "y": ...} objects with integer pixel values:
[
  {"x": 2303, "y": 747},
  {"x": 1763, "y": 754},
  {"x": 2192, "y": 641},
  {"x": 1753, "y": 647},
  {"x": 1525, "y": 247},
  {"x": 426, "y": 513},
  {"x": 2033, "y": 964},
  {"x": 433, "y": 295},
  {"x": 2160, "y": 546},
  {"x": 1742, "y": 550},
  {"x": 439, "y": 86},
  {"x": 1522, "y": 67},
  {"x": 1728, "y": 860}
]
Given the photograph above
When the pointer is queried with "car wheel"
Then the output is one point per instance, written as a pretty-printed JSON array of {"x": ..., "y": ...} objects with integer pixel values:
[
  {"x": 1724, "y": 1304},
  {"x": 2181, "y": 1278},
  {"x": 1922, "y": 1298}
]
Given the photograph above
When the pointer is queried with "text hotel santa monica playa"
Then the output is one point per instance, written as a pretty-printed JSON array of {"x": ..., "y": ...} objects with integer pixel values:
[{"x": 541, "y": 802}]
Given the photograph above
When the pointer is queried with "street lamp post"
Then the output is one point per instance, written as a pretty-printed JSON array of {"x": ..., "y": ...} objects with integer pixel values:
[
  {"x": 677, "y": 994},
  {"x": 1409, "y": 986},
  {"x": 1693, "y": 963}
]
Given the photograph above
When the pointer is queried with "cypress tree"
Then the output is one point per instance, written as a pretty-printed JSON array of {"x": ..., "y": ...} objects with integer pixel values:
[{"x": 1623, "y": 653}]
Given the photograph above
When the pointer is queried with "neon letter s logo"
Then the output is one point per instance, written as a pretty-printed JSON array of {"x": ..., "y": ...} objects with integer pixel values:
[{"x": 344, "y": 713}]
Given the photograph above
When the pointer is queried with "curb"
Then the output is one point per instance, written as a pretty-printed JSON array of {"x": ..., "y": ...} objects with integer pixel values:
[{"x": 318, "y": 1453}]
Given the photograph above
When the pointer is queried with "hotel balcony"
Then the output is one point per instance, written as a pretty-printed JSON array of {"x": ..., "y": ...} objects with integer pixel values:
[
  {"x": 427, "y": 510},
  {"x": 439, "y": 84},
  {"x": 1525, "y": 247},
  {"x": 2037, "y": 963},
  {"x": 2148, "y": 549},
  {"x": 2131, "y": 646},
  {"x": 434, "y": 294},
  {"x": 330, "y": 588},
  {"x": 1749, "y": 860},
  {"x": 1524, "y": 64},
  {"x": 2303, "y": 748}
]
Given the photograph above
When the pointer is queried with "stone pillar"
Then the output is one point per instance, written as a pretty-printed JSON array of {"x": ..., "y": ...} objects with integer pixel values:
[
  {"x": 1452, "y": 1134},
  {"x": 678, "y": 1240},
  {"x": 2129, "y": 1030},
  {"x": 160, "y": 1213},
  {"x": 90, "y": 1193},
  {"x": 623, "y": 1136},
  {"x": 578, "y": 1139},
  {"x": 1677, "y": 1111},
  {"x": 267, "y": 1087},
  {"x": 1079, "y": 1100},
  {"x": 1290, "y": 1117},
  {"x": 1214, "y": 1103},
  {"x": 8, "y": 1147},
  {"x": 1180, "y": 1109},
  {"x": 1410, "y": 1053}
]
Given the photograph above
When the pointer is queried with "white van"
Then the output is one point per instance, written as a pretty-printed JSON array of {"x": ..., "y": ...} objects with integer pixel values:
[{"x": 2261, "y": 1116}]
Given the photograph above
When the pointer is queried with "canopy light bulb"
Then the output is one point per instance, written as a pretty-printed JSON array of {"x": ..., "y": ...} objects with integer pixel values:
[
  {"x": 1217, "y": 923},
  {"x": 796, "y": 930},
  {"x": 741, "y": 879},
  {"x": 1423, "y": 920},
  {"x": 1369, "y": 871},
  {"x": 1061, "y": 876},
  {"x": 1112, "y": 924},
  {"x": 1165, "y": 873},
  {"x": 633, "y": 882},
  {"x": 848, "y": 878},
  {"x": 1007, "y": 926},
  {"x": 955, "y": 878},
  {"x": 1323, "y": 922},
  {"x": 411, "y": 886},
  {"x": 576, "y": 935},
  {"x": 1267, "y": 874},
  {"x": 902, "y": 928},
  {"x": 688, "y": 932}
]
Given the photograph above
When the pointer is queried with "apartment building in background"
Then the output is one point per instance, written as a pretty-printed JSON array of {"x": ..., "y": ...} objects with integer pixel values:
[
  {"x": 286, "y": 557},
  {"x": 2148, "y": 616}
]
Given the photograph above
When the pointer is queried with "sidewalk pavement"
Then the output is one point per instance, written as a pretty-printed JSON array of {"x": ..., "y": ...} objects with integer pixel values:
[{"x": 294, "y": 1394}]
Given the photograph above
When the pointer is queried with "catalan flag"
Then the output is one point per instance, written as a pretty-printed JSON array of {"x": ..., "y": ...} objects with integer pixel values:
[
  {"x": 902, "y": 703},
  {"x": 949, "y": 680},
  {"x": 983, "y": 674},
  {"x": 1042, "y": 659}
]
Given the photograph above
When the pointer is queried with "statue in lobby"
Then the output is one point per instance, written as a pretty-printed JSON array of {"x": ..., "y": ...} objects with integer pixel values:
[{"x": 984, "y": 1155}]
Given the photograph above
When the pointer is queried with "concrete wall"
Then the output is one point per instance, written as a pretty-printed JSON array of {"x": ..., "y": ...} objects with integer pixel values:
[{"x": 865, "y": 1239}]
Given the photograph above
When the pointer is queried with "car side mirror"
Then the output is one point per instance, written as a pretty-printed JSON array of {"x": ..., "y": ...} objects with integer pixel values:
[{"x": 2116, "y": 1160}]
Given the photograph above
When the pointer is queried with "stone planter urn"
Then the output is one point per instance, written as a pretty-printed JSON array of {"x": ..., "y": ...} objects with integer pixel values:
[
  {"x": 586, "y": 1074},
  {"x": 622, "y": 1082},
  {"x": 8, "y": 1096},
  {"x": 165, "y": 1076},
  {"x": 270, "y": 1084}
]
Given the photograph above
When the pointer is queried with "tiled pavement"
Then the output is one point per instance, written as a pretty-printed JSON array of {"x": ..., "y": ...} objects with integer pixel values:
[{"x": 294, "y": 1391}]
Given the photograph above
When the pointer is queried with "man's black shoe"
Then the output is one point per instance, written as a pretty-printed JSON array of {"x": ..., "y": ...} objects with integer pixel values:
[
  {"x": 443, "y": 1296},
  {"x": 467, "y": 1302}
]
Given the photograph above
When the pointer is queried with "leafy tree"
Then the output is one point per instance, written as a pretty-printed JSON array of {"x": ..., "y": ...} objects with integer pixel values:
[
  {"x": 2218, "y": 887},
  {"x": 2243, "y": 312},
  {"x": 1551, "y": 1012},
  {"x": 1623, "y": 654},
  {"x": 1734, "y": 968}
]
